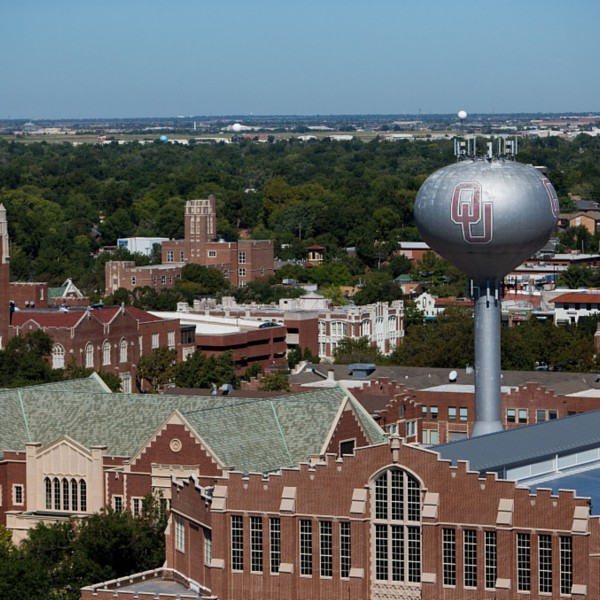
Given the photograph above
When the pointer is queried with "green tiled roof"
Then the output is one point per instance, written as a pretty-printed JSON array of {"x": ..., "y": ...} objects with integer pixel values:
[
  {"x": 257, "y": 435},
  {"x": 56, "y": 292}
]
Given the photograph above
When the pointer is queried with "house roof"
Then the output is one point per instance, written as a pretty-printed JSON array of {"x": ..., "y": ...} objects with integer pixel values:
[
  {"x": 258, "y": 435},
  {"x": 574, "y": 297},
  {"x": 527, "y": 444},
  {"x": 47, "y": 318}
]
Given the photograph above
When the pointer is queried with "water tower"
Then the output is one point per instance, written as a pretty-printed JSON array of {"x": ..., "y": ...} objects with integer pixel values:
[{"x": 486, "y": 216}]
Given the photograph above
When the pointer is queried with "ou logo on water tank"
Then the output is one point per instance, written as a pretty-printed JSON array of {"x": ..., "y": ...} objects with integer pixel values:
[{"x": 473, "y": 214}]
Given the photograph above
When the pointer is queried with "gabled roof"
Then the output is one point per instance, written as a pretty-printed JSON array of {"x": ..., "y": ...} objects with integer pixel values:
[
  {"x": 528, "y": 444},
  {"x": 574, "y": 297},
  {"x": 258, "y": 435},
  {"x": 47, "y": 318}
]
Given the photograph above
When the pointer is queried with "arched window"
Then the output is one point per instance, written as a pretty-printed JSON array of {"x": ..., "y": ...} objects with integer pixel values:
[
  {"x": 106, "y": 353},
  {"x": 74, "y": 495},
  {"x": 48, "y": 486},
  {"x": 365, "y": 328},
  {"x": 58, "y": 357},
  {"x": 83, "y": 495},
  {"x": 397, "y": 526},
  {"x": 56, "y": 494},
  {"x": 65, "y": 488},
  {"x": 123, "y": 351},
  {"x": 89, "y": 356}
]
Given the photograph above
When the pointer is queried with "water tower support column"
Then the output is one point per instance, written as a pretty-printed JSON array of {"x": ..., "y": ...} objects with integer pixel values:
[{"x": 487, "y": 357}]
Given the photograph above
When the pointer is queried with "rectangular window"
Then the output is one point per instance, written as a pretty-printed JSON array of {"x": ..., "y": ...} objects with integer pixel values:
[
  {"x": 170, "y": 256},
  {"x": 452, "y": 413},
  {"x": 305, "y": 547},
  {"x": 424, "y": 411},
  {"x": 212, "y": 254},
  {"x": 566, "y": 564},
  {"x": 552, "y": 414},
  {"x": 171, "y": 339},
  {"x": 326, "y": 548},
  {"x": 133, "y": 281},
  {"x": 242, "y": 258},
  {"x": 540, "y": 415},
  {"x": 18, "y": 494},
  {"x": 545, "y": 563},
  {"x": 414, "y": 554},
  {"x": 136, "y": 506},
  {"x": 470, "y": 557},
  {"x": 522, "y": 415},
  {"x": 449, "y": 556},
  {"x": 181, "y": 256},
  {"x": 179, "y": 534},
  {"x": 207, "y": 546},
  {"x": 464, "y": 413},
  {"x": 275, "y": 543},
  {"x": 237, "y": 543},
  {"x": 256, "y": 544},
  {"x": 397, "y": 561},
  {"x": 242, "y": 272},
  {"x": 155, "y": 341},
  {"x": 118, "y": 503},
  {"x": 491, "y": 559},
  {"x": 523, "y": 562},
  {"x": 163, "y": 279},
  {"x": 381, "y": 552},
  {"x": 345, "y": 549},
  {"x": 511, "y": 415},
  {"x": 433, "y": 412}
]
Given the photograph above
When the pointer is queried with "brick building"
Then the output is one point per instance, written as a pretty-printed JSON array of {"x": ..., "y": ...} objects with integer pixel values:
[
  {"x": 240, "y": 262},
  {"x": 110, "y": 339},
  {"x": 72, "y": 447},
  {"x": 390, "y": 520}
]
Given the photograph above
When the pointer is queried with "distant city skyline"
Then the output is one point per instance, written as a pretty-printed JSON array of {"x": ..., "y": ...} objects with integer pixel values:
[{"x": 146, "y": 58}]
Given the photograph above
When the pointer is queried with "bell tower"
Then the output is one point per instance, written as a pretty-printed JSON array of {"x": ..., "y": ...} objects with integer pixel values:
[{"x": 4, "y": 279}]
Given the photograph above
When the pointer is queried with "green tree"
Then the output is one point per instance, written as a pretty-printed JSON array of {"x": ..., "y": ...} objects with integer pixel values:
[
  {"x": 25, "y": 361},
  {"x": 200, "y": 371},
  {"x": 158, "y": 368},
  {"x": 276, "y": 381},
  {"x": 349, "y": 351}
]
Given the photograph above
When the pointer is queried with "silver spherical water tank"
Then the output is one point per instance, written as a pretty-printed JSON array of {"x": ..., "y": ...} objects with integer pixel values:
[{"x": 486, "y": 217}]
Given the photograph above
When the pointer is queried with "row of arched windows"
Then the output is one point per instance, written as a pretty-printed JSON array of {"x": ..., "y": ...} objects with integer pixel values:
[
  {"x": 65, "y": 494},
  {"x": 58, "y": 354}
]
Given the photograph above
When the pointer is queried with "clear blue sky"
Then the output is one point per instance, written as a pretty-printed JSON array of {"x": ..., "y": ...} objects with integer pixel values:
[{"x": 127, "y": 58}]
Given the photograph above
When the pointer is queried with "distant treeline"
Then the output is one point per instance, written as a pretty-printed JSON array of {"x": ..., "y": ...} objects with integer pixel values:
[{"x": 64, "y": 202}]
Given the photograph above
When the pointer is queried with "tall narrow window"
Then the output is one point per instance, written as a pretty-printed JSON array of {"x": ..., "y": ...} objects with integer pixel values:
[
  {"x": 545, "y": 563},
  {"x": 345, "y": 549},
  {"x": 66, "y": 495},
  {"x": 275, "y": 543},
  {"x": 56, "y": 494},
  {"x": 397, "y": 531},
  {"x": 326, "y": 548},
  {"x": 523, "y": 562},
  {"x": 179, "y": 534},
  {"x": 74, "y": 495},
  {"x": 491, "y": 559},
  {"x": 58, "y": 357},
  {"x": 83, "y": 495},
  {"x": 449, "y": 556},
  {"x": 566, "y": 564},
  {"x": 470, "y": 557},
  {"x": 237, "y": 543},
  {"x": 48, "y": 486},
  {"x": 106, "y": 353},
  {"x": 123, "y": 351},
  {"x": 305, "y": 547},
  {"x": 256, "y": 544},
  {"x": 207, "y": 546},
  {"x": 89, "y": 356}
]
